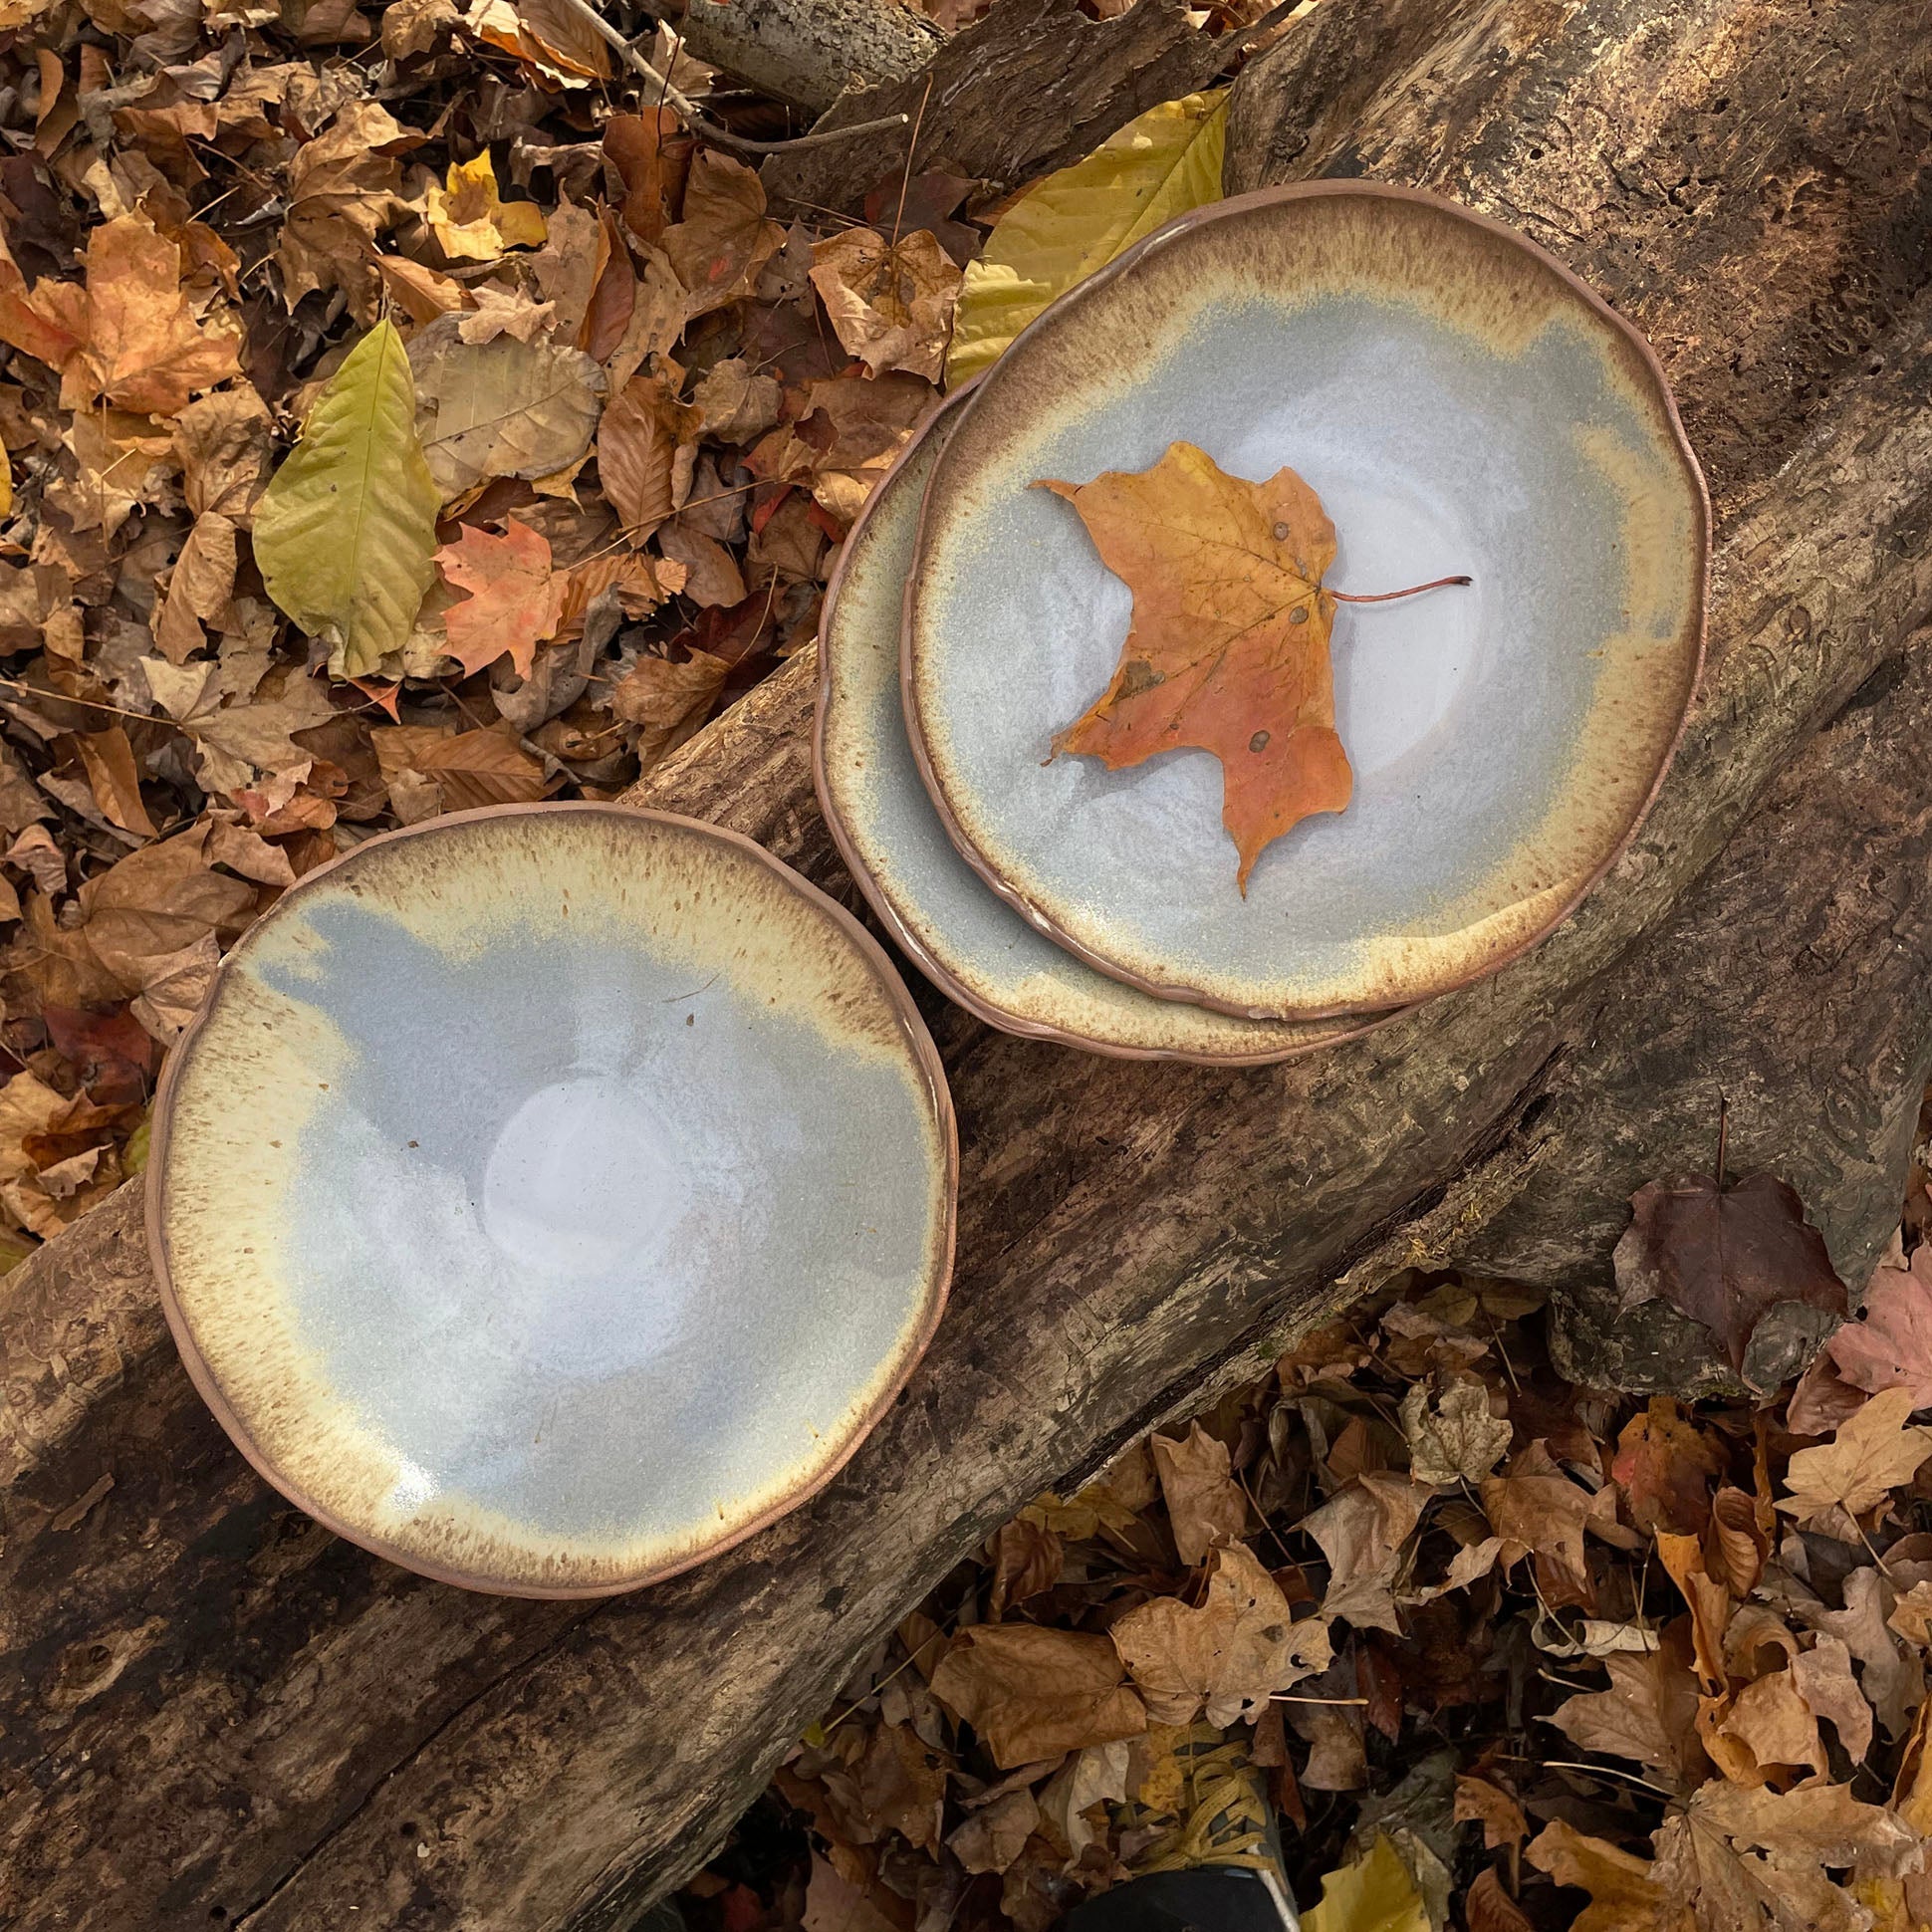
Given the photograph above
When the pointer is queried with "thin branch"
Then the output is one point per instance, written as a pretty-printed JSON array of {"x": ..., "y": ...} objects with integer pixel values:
[{"x": 701, "y": 123}]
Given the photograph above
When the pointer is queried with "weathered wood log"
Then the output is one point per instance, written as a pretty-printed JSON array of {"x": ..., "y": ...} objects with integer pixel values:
[
  {"x": 214, "y": 1711},
  {"x": 809, "y": 51},
  {"x": 1032, "y": 85}
]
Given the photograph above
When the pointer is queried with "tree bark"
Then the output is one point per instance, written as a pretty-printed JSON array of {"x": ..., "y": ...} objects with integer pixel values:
[
  {"x": 214, "y": 1711},
  {"x": 809, "y": 51},
  {"x": 1032, "y": 85}
]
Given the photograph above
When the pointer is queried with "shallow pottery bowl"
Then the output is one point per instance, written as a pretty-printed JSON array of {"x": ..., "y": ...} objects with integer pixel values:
[
  {"x": 548, "y": 1197},
  {"x": 967, "y": 940},
  {"x": 1461, "y": 403}
]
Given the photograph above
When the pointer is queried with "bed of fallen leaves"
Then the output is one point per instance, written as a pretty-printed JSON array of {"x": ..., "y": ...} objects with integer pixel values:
[
  {"x": 1511, "y": 1654},
  {"x": 651, "y": 411}
]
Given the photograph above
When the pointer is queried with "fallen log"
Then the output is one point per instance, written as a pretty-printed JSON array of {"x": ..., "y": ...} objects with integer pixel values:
[
  {"x": 216, "y": 1713},
  {"x": 809, "y": 51}
]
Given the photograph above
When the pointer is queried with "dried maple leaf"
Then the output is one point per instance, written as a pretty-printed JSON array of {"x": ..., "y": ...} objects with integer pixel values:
[
  {"x": 890, "y": 303},
  {"x": 471, "y": 221},
  {"x": 1624, "y": 1893},
  {"x": 1229, "y": 1655},
  {"x": 1537, "y": 1509},
  {"x": 1452, "y": 1436},
  {"x": 1871, "y": 1455},
  {"x": 1033, "y": 1693},
  {"x": 1646, "y": 1714},
  {"x": 724, "y": 240},
  {"x": 1890, "y": 1345},
  {"x": 1665, "y": 1465},
  {"x": 1361, "y": 1531},
  {"x": 1229, "y": 646},
  {"x": 514, "y": 600},
  {"x": 1204, "y": 1503},
  {"x": 128, "y": 338},
  {"x": 1726, "y": 1257},
  {"x": 1758, "y": 1860}
]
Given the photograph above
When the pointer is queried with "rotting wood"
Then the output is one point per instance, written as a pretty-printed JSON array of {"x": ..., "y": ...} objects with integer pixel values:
[{"x": 216, "y": 1713}]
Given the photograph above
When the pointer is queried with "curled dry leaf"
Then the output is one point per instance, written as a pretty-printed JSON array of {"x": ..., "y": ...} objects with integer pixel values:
[
  {"x": 1229, "y": 645},
  {"x": 1361, "y": 1532},
  {"x": 647, "y": 449},
  {"x": 1726, "y": 1257},
  {"x": 1479, "y": 1802},
  {"x": 1623, "y": 1892},
  {"x": 1033, "y": 1693},
  {"x": 1452, "y": 1435},
  {"x": 1226, "y": 1657},
  {"x": 1665, "y": 1465},
  {"x": 1545, "y": 1515},
  {"x": 1204, "y": 1503},
  {"x": 342, "y": 192},
  {"x": 1871, "y": 1454},
  {"x": 670, "y": 700},
  {"x": 471, "y": 221},
  {"x": 724, "y": 240}
]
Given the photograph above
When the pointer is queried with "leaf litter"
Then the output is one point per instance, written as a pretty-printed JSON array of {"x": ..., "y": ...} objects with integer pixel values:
[{"x": 1508, "y": 1653}]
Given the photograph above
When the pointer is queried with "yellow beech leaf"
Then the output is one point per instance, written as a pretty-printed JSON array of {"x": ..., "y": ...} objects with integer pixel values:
[
  {"x": 1372, "y": 1894},
  {"x": 346, "y": 531},
  {"x": 472, "y": 222},
  {"x": 1157, "y": 166}
]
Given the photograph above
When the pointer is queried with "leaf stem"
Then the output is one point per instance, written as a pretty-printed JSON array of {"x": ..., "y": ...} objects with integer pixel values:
[{"x": 1385, "y": 597}]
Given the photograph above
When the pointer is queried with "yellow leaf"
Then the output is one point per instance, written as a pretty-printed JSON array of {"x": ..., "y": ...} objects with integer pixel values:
[
  {"x": 1372, "y": 1894},
  {"x": 1156, "y": 168},
  {"x": 472, "y": 222},
  {"x": 346, "y": 531}
]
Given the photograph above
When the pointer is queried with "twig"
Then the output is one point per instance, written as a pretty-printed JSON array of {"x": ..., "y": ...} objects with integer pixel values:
[
  {"x": 912, "y": 153},
  {"x": 1287, "y": 1697},
  {"x": 700, "y": 121}
]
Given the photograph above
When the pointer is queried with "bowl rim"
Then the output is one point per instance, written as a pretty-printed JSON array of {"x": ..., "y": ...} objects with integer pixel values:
[
  {"x": 911, "y": 943},
  {"x": 1697, "y": 625},
  {"x": 207, "y": 1384}
]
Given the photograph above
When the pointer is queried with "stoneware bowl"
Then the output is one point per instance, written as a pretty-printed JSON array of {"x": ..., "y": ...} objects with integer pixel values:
[
  {"x": 963, "y": 936},
  {"x": 548, "y": 1197},
  {"x": 1460, "y": 402}
]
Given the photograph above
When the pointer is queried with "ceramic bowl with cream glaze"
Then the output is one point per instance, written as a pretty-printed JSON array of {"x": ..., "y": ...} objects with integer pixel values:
[
  {"x": 1461, "y": 403},
  {"x": 548, "y": 1197},
  {"x": 975, "y": 947}
]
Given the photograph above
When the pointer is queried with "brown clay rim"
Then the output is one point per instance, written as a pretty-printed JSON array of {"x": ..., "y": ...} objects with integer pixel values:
[
  {"x": 209, "y": 1387},
  {"x": 909, "y": 942},
  {"x": 1123, "y": 264}
]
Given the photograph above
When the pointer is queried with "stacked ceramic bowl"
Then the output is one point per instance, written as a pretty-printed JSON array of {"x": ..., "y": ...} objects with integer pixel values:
[{"x": 1463, "y": 408}]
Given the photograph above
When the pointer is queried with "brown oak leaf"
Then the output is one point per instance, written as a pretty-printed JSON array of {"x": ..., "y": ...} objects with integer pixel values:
[{"x": 1229, "y": 646}]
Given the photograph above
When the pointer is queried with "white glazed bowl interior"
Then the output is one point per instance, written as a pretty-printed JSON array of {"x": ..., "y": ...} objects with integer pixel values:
[
  {"x": 1460, "y": 406},
  {"x": 548, "y": 1197}
]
